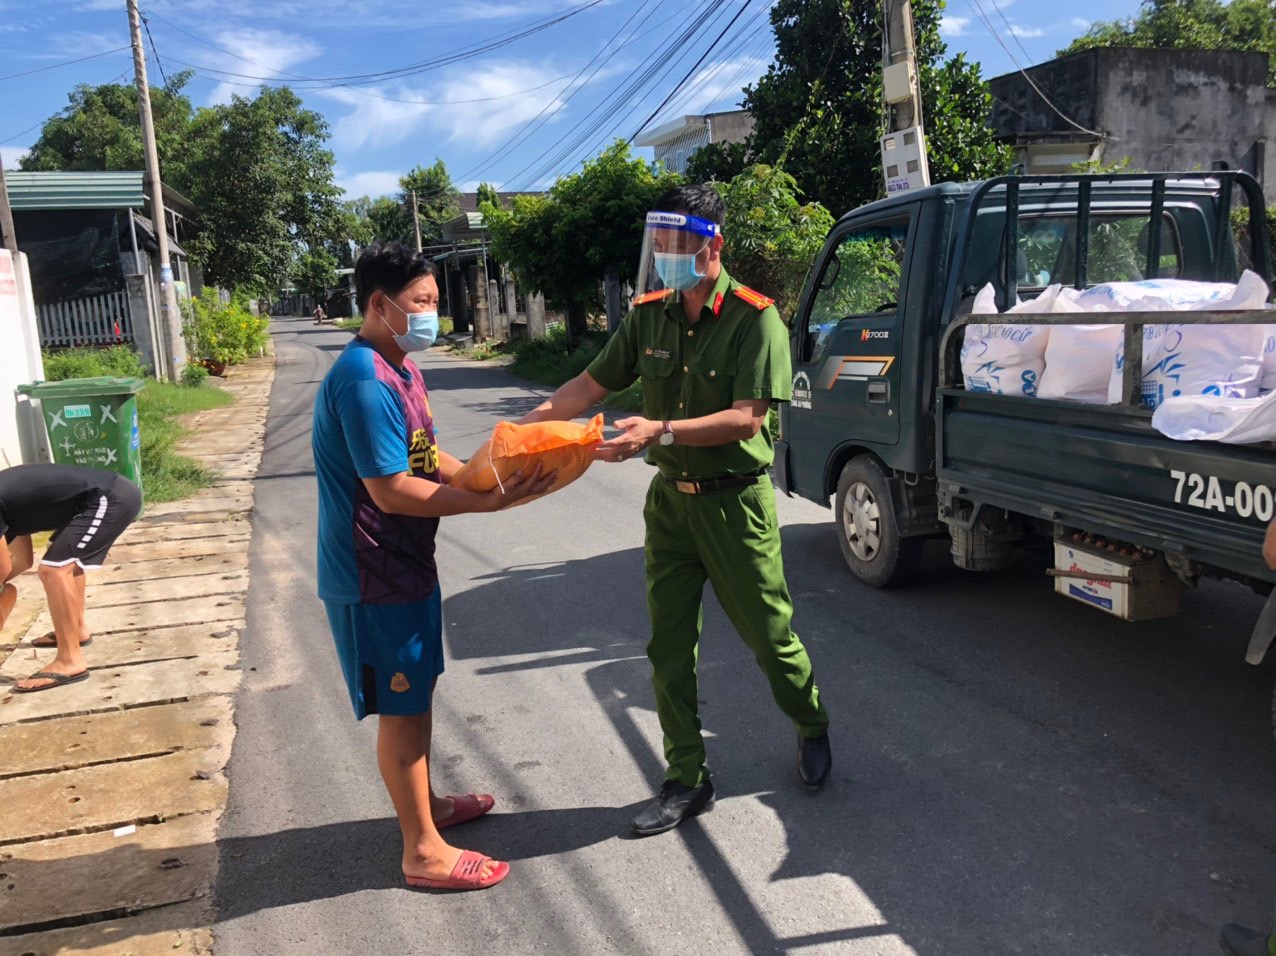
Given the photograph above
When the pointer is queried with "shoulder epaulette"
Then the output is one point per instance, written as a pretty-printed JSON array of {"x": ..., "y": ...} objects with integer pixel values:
[
  {"x": 755, "y": 299},
  {"x": 656, "y": 296}
]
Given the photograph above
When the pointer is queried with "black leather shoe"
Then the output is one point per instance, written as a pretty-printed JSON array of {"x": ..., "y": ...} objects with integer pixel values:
[
  {"x": 676, "y": 802},
  {"x": 1240, "y": 941},
  {"x": 815, "y": 760}
]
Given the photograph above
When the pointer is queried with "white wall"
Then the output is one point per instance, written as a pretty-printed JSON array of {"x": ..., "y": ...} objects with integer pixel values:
[{"x": 22, "y": 438}]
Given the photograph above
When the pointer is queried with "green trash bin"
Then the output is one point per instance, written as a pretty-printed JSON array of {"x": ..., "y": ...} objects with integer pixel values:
[{"x": 93, "y": 422}]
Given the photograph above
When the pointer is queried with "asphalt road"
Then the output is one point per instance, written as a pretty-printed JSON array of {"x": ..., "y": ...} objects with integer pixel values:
[{"x": 1014, "y": 773}]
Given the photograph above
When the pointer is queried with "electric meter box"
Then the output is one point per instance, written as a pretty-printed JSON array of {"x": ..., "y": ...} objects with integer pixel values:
[
  {"x": 904, "y": 161},
  {"x": 897, "y": 82}
]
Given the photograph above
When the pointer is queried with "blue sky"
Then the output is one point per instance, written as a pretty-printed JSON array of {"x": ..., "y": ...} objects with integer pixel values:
[{"x": 516, "y": 115}]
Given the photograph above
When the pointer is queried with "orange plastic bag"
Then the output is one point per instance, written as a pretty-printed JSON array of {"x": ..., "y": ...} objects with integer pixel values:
[{"x": 564, "y": 447}]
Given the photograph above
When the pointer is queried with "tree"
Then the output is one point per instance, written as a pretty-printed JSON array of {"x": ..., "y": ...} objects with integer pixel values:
[
  {"x": 315, "y": 273},
  {"x": 819, "y": 106},
  {"x": 100, "y": 130},
  {"x": 771, "y": 236},
  {"x": 389, "y": 221},
  {"x": 487, "y": 193},
  {"x": 562, "y": 244},
  {"x": 436, "y": 199},
  {"x": 1190, "y": 25},
  {"x": 717, "y": 163},
  {"x": 262, "y": 179}
]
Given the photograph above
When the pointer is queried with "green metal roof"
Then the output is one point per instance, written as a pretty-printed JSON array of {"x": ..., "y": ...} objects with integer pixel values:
[{"x": 113, "y": 190}]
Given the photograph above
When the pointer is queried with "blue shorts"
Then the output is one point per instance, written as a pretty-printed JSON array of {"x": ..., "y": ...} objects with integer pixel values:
[{"x": 390, "y": 654}]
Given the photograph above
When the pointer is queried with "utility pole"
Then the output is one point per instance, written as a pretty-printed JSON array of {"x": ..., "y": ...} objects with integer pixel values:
[
  {"x": 6, "y": 215},
  {"x": 172, "y": 348},
  {"x": 904, "y": 162},
  {"x": 416, "y": 221}
]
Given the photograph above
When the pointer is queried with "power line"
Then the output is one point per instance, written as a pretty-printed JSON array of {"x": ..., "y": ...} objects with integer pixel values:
[
  {"x": 147, "y": 24},
  {"x": 94, "y": 56},
  {"x": 1011, "y": 31},
  {"x": 637, "y": 80},
  {"x": 694, "y": 67},
  {"x": 486, "y": 46},
  {"x": 1024, "y": 73}
]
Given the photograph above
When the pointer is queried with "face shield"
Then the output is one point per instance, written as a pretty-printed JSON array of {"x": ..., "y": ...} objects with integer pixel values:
[{"x": 675, "y": 252}]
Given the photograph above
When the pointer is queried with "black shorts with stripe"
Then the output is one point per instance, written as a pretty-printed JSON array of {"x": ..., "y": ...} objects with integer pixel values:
[{"x": 87, "y": 538}]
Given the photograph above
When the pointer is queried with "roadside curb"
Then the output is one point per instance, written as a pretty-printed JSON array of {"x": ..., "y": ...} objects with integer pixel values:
[{"x": 115, "y": 786}]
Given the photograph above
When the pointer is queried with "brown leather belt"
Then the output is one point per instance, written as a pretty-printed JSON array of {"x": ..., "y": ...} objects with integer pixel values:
[{"x": 707, "y": 486}]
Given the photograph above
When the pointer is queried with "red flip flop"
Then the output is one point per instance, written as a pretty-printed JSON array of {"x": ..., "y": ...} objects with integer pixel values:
[
  {"x": 468, "y": 807},
  {"x": 466, "y": 875}
]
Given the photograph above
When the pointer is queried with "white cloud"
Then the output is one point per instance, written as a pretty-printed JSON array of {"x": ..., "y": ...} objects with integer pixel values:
[
  {"x": 11, "y": 155},
  {"x": 483, "y": 124},
  {"x": 1026, "y": 33},
  {"x": 72, "y": 44},
  {"x": 371, "y": 183},
  {"x": 1081, "y": 23},
  {"x": 374, "y": 122},
  {"x": 953, "y": 26},
  {"x": 269, "y": 53}
]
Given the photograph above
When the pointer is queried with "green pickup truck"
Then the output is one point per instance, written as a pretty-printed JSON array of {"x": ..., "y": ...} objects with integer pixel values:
[{"x": 880, "y": 421}]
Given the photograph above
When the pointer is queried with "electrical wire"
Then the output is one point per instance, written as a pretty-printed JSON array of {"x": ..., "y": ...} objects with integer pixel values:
[
  {"x": 712, "y": 46},
  {"x": 147, "y": 24},
  {"x": 637, "y": 80},
  {"x": 1011, "y": 30},
  {"x": 1024, "y": 73},
  {"x": 55, "y": 66},
  {"x": 356, "y": 79}
]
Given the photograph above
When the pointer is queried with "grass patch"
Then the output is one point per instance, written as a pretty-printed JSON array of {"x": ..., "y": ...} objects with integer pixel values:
[
  {"x": 166, "y": 475},
  {"x": 547, "y": 362}
]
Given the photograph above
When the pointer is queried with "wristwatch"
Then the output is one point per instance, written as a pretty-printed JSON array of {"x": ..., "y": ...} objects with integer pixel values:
[{"x": 666, "y": 437}]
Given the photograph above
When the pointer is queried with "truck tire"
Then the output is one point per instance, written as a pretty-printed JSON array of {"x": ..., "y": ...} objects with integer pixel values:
[{"x": 871, "y": 543}]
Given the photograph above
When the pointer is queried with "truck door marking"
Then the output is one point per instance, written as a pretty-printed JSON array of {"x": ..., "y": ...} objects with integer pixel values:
[{"x": 854, "y": 368}]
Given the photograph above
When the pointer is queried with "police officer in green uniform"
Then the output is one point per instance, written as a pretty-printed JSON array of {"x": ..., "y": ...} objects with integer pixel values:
[{"x": 713, "y": 356}]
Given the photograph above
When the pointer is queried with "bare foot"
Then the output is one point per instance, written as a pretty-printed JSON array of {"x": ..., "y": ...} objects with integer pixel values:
[
  {"x": 439, "y": 864},
  {"x": 441, "y": 809},
  {"x": 53, "y": 667}
]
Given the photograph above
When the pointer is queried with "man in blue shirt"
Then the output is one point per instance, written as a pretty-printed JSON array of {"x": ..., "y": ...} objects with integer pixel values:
[{"x": 383, "y": 485}]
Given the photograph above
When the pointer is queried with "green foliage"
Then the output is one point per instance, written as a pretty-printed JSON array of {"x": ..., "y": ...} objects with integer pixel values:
[
  {"x": 717, "y": 163},
  {"x": 548, "y": 362},
  {"x": 819, "y": 106},
  {"x": 488, "y": 193},
  {"x": 771, "y": 236},
  {"x": 1190, "y": 25},
  {"x": 100, "y": 130},
  {"x": 1095, "y": 167},
  {"x": 389, "y": 221},
  {"x": 863, "y": 276},
  {"x": 194, "y": 376},
  {"x": 315, "y": 273},
  {"x": 437, "y": 199},
  {"x": 261, "y": 177},
  {"x": 222, "y": 331},
  {"x": 118, "y": 360},
  {"x": 562, "y": 244}
]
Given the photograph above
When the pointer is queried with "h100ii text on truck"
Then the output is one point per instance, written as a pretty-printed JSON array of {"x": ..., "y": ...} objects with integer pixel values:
[{"x": 881, "y": 423}]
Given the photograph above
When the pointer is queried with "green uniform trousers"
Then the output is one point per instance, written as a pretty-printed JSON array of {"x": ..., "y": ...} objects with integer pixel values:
[{"x": 731, "y": 538}]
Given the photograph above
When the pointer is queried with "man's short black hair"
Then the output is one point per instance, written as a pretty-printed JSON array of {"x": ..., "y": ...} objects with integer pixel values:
[
  {"x": 699, "y": 199},
  {"x": 389, "y": 267}
]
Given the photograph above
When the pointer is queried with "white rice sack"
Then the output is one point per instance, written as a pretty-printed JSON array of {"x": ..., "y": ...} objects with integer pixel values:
[
  {"x": 1189, "y": 360},
  {"x": 1079, "y": 361},
  {"x": 1237, "y": 421},
  {"x": 1268, "y": 382},
  {"x": 1161, "y": 295},
  {"x": 1003, "y": 359}
]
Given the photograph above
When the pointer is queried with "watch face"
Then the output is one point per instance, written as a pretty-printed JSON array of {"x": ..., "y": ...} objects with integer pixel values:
[{"x": 666, "y": 438}]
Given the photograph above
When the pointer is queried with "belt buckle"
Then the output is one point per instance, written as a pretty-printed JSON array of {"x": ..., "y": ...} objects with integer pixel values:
[{"x": 688, "y": 487}]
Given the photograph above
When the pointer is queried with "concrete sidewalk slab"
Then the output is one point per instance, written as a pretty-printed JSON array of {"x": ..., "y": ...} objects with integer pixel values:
[
  {"x": 158, "y": 534},
  {"x": 129, "y": 648},
  {"x": 70, "y": 743},
  {"x": 193, "y": 506},
  {"x": 220, "y": 556},
  {"x": 165, "y": 863},
  {"x": 164, "y": 931},
  {"x": 142, "y": 617},
  {"x": 140, "y": 685},
  {"x": 112, "y": 795},
  {"x": 169, "y": 583}
]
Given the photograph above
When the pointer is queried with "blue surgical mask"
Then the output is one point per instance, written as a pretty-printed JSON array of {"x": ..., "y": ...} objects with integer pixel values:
[
  {"x": 678, "y": 271},
  {"x": 423, "y": 329}
]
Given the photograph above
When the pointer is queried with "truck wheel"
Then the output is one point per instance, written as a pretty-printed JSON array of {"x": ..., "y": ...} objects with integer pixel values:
[{"x": 870, "y": 539}]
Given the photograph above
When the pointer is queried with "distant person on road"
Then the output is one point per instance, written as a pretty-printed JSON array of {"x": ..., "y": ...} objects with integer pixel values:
[
  {"x": 320, "y": 315},
  {"x": 1241, "y": 940},
  {"x": 87, "y": 510},
  {"x": 713, "y": 356},
  {"x": 383, "y": 485}
]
